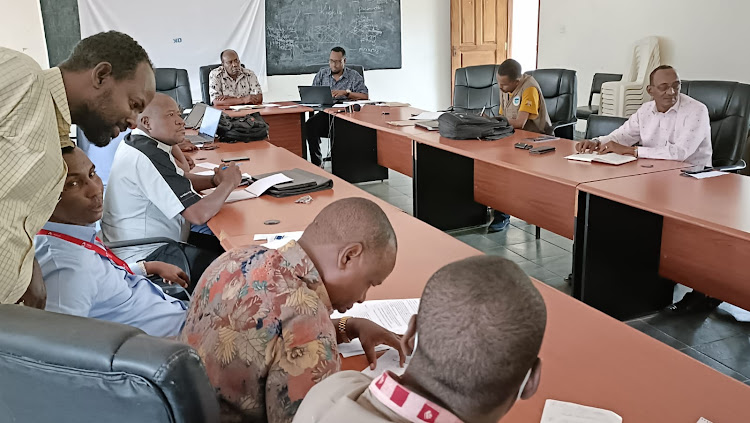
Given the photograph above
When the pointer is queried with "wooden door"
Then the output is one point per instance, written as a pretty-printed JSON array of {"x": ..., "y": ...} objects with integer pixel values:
[{"x": 479, "y": 33}]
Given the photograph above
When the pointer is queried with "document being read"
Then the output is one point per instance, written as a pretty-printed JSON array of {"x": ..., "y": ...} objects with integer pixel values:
[
  {"x": 568, "y": 412},
  {"x": 393, "y": 315}
]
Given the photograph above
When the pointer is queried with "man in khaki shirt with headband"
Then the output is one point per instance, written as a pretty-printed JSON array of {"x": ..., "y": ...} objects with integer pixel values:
[{"x": 104, "y": 84}]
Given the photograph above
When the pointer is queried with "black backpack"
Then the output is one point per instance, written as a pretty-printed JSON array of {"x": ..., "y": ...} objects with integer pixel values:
[
  {"x": 464, "y": 126},
  {"x": 246, "y": 128}
]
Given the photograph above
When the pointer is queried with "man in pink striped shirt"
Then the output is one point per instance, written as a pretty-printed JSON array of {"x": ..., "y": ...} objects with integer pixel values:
[{"x": 672, "y": 126}]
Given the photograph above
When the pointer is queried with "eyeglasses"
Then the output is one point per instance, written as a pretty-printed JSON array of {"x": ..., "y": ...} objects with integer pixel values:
[
  {"x": 663, "y": 88},
  {"x": 335, "y": 62}
]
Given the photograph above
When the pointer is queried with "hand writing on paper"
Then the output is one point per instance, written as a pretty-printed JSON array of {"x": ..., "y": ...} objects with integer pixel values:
[{"x": 371, "y": 335}]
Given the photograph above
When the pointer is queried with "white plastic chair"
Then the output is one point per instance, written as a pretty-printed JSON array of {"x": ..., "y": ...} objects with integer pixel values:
[{"x": 623, "y": 98}]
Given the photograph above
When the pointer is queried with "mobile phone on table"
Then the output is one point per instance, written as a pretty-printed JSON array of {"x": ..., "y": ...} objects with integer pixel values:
[
  {"x": 697, "y": 169},
  {"x": 542, "y": 150},
  {"x": 523, "y": 146},
  {"x": 235, "y": 159}
]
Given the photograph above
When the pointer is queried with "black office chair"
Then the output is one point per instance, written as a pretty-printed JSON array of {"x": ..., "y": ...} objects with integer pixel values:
[
  {"x": 584, "y": 112},
  {"x": 476, "y": 89},
  {"x": 204, "y": 72},
  {"x": 316, "y": 68},
  {"x": 174, "y": 83},
  {"x": 60, "y": 368},
  {"x": 599, "y": 126},
  {"x": 559, "y": 90},
  {"x": 728, "y": 106}
]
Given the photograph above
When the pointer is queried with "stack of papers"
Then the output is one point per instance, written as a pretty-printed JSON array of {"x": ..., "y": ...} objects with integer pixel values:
[
  {"x": 255, "y": 190},
  {"x": 393, "y": 315},
  {"x": 427, "y": 116},
  {"x": 568, "y": 412},
  {"x": 609, "y": 158}
]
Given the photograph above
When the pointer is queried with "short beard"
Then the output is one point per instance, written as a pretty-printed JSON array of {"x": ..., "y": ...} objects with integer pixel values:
[{"x": 92, "y": 120}]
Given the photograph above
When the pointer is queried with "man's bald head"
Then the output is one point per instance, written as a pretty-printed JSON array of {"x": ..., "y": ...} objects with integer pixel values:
[
  {"x": 162, "y": 121},
  {"x": 230, "y": 60},
  {"x": 353, "y": 246},
  {"x": 480, "y": 326}
]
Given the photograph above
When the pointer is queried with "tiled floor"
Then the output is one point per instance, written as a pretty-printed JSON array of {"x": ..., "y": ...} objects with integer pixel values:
[{"x": 715, "y": 339}]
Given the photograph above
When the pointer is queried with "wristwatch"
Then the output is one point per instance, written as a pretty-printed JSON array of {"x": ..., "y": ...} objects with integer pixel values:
[
  {"x": 348, "y": 92},
  {"x": 342, "y": 329}
]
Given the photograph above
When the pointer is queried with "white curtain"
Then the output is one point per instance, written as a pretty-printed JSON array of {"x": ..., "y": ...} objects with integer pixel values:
[{"x": 185, "y": 34}]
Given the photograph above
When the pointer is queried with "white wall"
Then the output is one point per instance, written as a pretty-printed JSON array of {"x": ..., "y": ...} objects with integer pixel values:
[
  {"x": 702, "y": 40},
  {"x": 424, "y": 79},
  {"x": 21, "y": 29},
  {"x": 523, "y": 38}
]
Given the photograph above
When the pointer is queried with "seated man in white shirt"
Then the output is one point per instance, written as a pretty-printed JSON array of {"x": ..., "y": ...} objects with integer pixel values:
[
  {"x": 231, "y": 84},
  {"x": 149, "y": 195},
  {"x": 476, "y": 343},
  {"x": 672, "y": 126}
]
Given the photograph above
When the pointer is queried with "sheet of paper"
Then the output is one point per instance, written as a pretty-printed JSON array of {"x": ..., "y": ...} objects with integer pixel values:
[
  {"x": 568, "y": 412},
  {"x": 340, "y": 106},
  {"x": 207, "y": 165},
  {"x": 236, "y": 195},
  {"x": 394, "y": 104},
  {"x": 288, "y": 107},
  {"x": 582, "y": 157},
  {"x": 360, "y": 102},
  {"x": 710, "y": 174},
  {"x": 198, "y": 145},
  {"x": 402, "y": 122},
  {"x": 704, "y": 420},
  {"x": 427, "y": 116},
  {"x": 260, "y": 186},
  {"x": 270, "y": 237},
  {"x": 355, "y": 348},
  {"x": 393, "y": 315},
  {"x": 205, "y": 173},
  {"x": 389, "y": 362},
  {"x": 270, "y": 105},
  {"x": 243, "y": 107}
]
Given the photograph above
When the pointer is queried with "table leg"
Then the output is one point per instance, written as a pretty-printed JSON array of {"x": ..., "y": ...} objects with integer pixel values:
[
  {"x": 443, "y": 187},
  {"x": 616, "y": 258},
  {"x": 354, "y": 153}
]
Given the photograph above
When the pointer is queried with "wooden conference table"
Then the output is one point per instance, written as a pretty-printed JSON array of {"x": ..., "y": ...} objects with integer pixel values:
[
  {"x": 286, "y": 127},
  {"x": 588, "y": 357},
  {"x": 454, "y": 180}
]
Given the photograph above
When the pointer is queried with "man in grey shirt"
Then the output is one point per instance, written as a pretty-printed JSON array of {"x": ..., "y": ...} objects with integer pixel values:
[{"x": 346, "y": 84}]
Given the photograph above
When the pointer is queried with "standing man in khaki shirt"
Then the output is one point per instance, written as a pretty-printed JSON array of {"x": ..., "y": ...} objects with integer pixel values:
[{"x": 104, "y": 84}]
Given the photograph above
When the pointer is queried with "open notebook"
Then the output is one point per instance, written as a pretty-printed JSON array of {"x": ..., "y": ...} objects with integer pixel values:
[{"x": 609, "y": 158}]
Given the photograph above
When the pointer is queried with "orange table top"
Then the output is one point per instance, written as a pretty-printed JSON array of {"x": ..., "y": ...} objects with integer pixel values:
[
  {"x": 588, "y": 357},
  {"x": 269, "y": 111},
  {"x": 721, "y": 204},
  {"x": 502, "y": 152}
]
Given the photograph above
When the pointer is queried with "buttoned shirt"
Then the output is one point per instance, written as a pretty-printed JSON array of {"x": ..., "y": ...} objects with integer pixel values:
[
  {"x": 146, "y": 194},
  {"x": 353, "y": 397},
  {"x": 34, "y": 125},
  {"x": 83, "y": 283},
  {"x": 260, "y": 320},
  {"x": 682, "y": 133},
  {"x": 350, "y": 80},
  {"x": 220, "y": 83}
]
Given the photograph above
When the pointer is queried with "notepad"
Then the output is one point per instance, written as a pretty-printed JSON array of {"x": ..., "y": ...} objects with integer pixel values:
[
  {"x": 568, "y": 412},
  {"x": 427, "y": 116},
  {"x": 609, "y": 158}
]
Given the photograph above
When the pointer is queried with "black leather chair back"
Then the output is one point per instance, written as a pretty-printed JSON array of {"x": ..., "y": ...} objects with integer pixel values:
[
  {"x": 559, "y": 90},
  {"x": 476, "y": 89},
  {"x": 599, "y": 126},
  {"x": 60, "y": 368},
  {"x": 204, "y": 71},
  {"x": 174, "y": 83},
  {"x": 728, "y": 106}
]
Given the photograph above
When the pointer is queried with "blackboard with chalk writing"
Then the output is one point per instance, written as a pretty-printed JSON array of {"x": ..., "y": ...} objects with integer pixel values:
[{"x": 301, "y": 33}]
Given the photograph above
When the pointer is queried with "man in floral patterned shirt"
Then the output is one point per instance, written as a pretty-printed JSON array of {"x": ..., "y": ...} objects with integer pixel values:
[
  {"x": 260, "y": 318},
  {"x": 231, "y": 84}
]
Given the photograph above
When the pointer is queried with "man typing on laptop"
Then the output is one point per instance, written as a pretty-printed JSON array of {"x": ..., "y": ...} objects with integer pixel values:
[{"x": 345, "y": 84}]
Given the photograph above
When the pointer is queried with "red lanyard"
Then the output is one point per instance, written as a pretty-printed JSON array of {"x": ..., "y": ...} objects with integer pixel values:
[{"x": 104, "y": 252}]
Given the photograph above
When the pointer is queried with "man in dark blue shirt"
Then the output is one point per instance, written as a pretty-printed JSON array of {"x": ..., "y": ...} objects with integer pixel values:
[{"x": 346, "y": 84}]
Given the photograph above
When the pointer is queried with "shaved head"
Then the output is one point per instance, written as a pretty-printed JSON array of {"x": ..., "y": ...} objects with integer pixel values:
[
  {"x": 353, "y": 246},
  {"x": 161, "y": 120},
  {"x": 480, "y": 324}
]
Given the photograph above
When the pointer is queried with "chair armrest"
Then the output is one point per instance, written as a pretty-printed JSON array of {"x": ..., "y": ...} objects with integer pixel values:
[
  {"x": 142, "y": 241},
  {"x": 556, "y": 125},
  {"x": 732, "y": 168}
]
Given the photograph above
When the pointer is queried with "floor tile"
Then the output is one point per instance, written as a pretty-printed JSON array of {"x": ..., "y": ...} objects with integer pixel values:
[
  {"x": 404, "y": 189},
  {"x": 694, "y": 329},
  {"x": 537, "y": 249},
  {"x": 657, "y": 334},
  {"x": 733, "y": 352},
  {"x": 559, "y": 265},
  {"x": 714, "y": 364},
  {"x": 379, "y": 189},
  {"x": 511, "y": 236},
  {"x": 537, "y": 272},
  {"x": 557, "y": 240},
  {"x": 505, "y": 253},
  {"x": 477, "y": 241}
]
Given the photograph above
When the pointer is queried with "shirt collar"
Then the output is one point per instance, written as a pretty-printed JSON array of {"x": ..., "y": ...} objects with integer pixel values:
[
  {"x": 408, "y": 404},
  {"x": 53, "y": 77},
  {"x": 304, "y": 268},
  {"x": 85, "y": 233},
  {"x": 160, "y": 145}
]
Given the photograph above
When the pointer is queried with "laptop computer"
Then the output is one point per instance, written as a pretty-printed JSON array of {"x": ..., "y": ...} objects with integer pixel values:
[
  {"x": 430, "y": 125},
  {"x": 209, "y": 125},
  {"x": 316, "y": 95},
  {"x": 193, "y": 120}
]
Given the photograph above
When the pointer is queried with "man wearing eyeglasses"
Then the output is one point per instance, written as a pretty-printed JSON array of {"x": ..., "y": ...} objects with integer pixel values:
[
  {"x": 346, "y": 84},
  {"x": 672, "y": 126}
]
